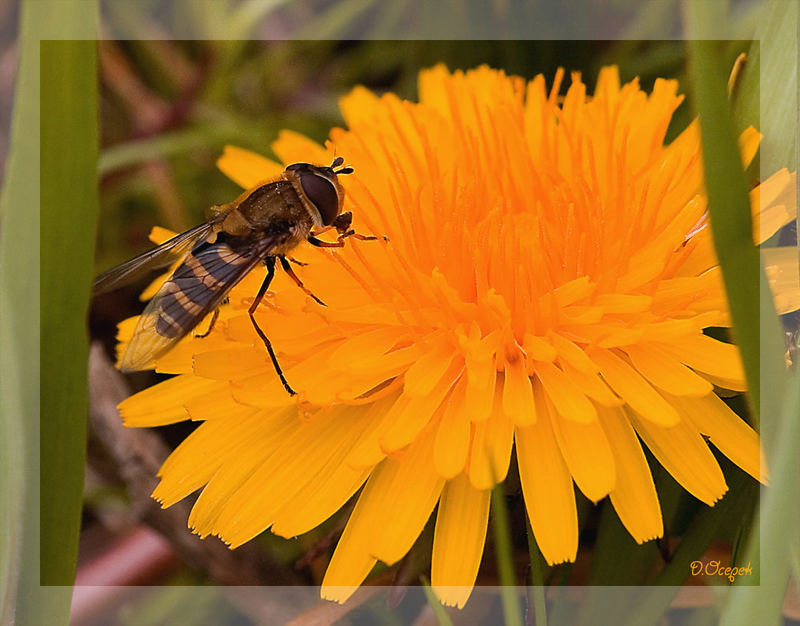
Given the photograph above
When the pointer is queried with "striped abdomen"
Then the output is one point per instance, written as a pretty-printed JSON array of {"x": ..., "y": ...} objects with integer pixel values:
[{"x": 197, "y": 286}]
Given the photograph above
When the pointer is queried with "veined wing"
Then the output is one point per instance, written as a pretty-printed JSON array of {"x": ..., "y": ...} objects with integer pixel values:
[
  {"x": 157, "y": 258},
  {"x": 195, "y": 289}
]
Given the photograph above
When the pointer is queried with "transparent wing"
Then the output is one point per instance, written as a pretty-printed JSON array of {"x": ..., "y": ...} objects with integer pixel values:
[
  {"x": 193, "y": 291},
  {"x": 157, "y": 258}
]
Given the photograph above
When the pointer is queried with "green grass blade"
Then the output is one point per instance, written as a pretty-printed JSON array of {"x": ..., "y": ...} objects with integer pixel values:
[
  {"x": 778, "y": 529},
  {"x": 775, "y": 539},
  {"x": 537, "y": 593},
  {"x": 69, "y": 204},
  {"x": 19, "y": 333},
  {"x": 139, "y": 150},
  {"x": 505, "y": 558},
  {"x": 770, "y": 79},
  {"x": 439, "y": 612},
  {"x": 767, "y": 98},
  {"x": 22, "y": 303},
  {"x": 728, "y": 200},
  {"x": 769, "y": 87}
]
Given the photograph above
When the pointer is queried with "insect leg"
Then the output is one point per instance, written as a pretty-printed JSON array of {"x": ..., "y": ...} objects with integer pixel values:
[
  {"x": 355, "y": 235},
  {"x": 288, "y": 269},
  {"x": 325, "y": 244},
  {"x": 296, "y": 262},
  {"x": 342, "y": 222},
  {"x": 342, "y": 225},
  {"x": 270, "y": 263},
  {"x": 210, "y": 326}
]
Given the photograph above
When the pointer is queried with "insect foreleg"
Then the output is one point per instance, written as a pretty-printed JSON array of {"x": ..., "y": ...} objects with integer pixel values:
[
  {"x": 270, "y": 263},
  {"x": 342, "y": 225},
  {"x": 355, "y": 235},
  {"x": 288, "y": 269},
  {"x": 342, "y": 222},
  {"x": 339, "y": 243}
]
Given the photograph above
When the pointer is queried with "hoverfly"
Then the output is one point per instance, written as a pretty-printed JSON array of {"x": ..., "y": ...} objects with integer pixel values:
[{"x": 261, "y": 226}]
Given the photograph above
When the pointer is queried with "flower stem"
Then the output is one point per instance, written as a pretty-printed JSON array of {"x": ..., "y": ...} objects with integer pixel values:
[
  {"x": 537, "y": 578},
  {"x": 505, "y": 559}
]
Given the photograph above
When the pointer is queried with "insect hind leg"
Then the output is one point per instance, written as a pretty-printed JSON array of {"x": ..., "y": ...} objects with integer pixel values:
[
  {"x": 270, "y": 263},
  {"x": 288, "y": 269}
]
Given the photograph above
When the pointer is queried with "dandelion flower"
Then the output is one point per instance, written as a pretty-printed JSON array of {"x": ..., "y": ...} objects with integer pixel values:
[{"x": 545, "y": 285}]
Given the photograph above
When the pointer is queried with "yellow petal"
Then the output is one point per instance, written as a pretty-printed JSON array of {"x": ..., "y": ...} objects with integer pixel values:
[
  {"x": 774, "y": 204},
  {"x": 685, "y": 455},
  {"x": 481, "y": 381},
  {"x": 181, "y": 474},
  {"x": 666, "y": 372},
  {"x": 422, "y": 376},
  {"x": 369, "y": 344},
  {"x": 782, "y": 268},
  {"x": 230, "y": 362},
  {"x": 749, "y": 141},
  {"x": 316, "y": 389},
  {"x": 726, "y": 430},
  {"x": 410, "y": 414},
  {"x": 458, "y": 540},
  {"x": 326, "y": 492},
  {"x": 360, "y": 103},
  {"x": 725, "y": 383},
  {"x": 397, "y": 501},
  {"x": 573, "y": 291},
  {"x": 291, "y": 147},
  {"x": 572, "y": 354},
  {"x": 304, "y": 453},
  {"x": 159, "y": 235},
  {"x": 634, "y": 389},
  {"x": 518, "y": 393},
  {"x": 587, "y": 453},
  {"x": 547, "y": 487},
  {"x": 180, "y": 358},
  {"x": 538, "y": 349},
  {"x": 592, "y": 385},
  {"x": 350, "y": 563},
  {"x": 564, "y": 394},
  {"x": 389, "y": 364},
  {"x": 164, "y": 403},
  {"x": 624, "y": 303},
  {"x": 262, "y": 390},
  {"x": 634, "y": 495},
  {"x": 451, "y": 445},
  {"x": 252, "y": 443},
  {"x": 367, "y": 451},
  {"x": 491, "y": 448},
  {"x": 218, "y": 406},
  {"x": 246, "y": 168},
  {"x": 707, "y": 355}
]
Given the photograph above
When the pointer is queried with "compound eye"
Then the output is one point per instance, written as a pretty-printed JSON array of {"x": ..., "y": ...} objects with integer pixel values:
[{"x": 322, "y": 194}]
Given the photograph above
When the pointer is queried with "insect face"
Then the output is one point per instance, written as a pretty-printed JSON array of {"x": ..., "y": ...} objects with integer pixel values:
[{"x": 320, "y": 188}]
